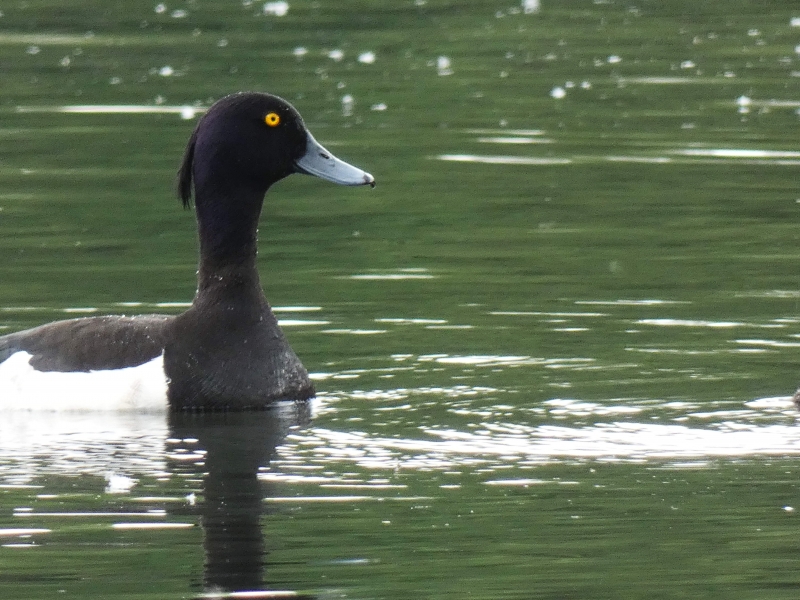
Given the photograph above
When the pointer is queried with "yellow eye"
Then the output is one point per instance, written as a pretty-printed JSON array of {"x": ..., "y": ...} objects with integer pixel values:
[{"x": 272, "y": 119}]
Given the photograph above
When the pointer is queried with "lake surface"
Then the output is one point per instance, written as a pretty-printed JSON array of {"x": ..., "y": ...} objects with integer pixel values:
[{"x": 555, "y": 348}]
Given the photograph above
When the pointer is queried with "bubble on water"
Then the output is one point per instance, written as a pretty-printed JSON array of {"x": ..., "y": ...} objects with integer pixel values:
[
  {"x": 188, "y": 113},
  {"x": 179, "y": 14},
  {"x": 743, "y": 102},
  {"x": 32, "y": 50},
  {"x": 688, "y": 64},
  {"x": 558, "y": 92},
  {"x": 64, "y": 62},
  {"x": 115, "y": 80},
  {"x": 585, "y": 85},
  {"x": 614, "y": 59},
  {"x": 753, "y": 32},
  {"x": 336, "y": 55},
  {"x": 381, "y": 106},
  {"x": 119, "y": 484},
  {"x": 159, "y": 99},
  {"x": 299, "y": 52},
  {"x": 420, "y": 2},
  {"x": 794, "y": 22},
  {"x": 222, "y": 43},
  {"x": 569, "y": 85},
  {"x": 160, "y": 9},
  {"x": 530, "y": 7},
  {"x": 347, "y": 105},
  {"x": 166, "y": 71},
  {"x": 276, "y": 9},
  {"x": 366, "y": 58},
  {"x": 797, "y": 49},
  {"x": 443, "y": 66}
]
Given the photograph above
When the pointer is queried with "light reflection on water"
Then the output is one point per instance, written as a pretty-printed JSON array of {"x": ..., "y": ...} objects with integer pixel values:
[
  {"x": 655, "y": 154},
  {"x": 502, "y": 436},
  {"x": 696, "y": 156},
  {"x": 496, "y": 435},
  {"x": 37, "y": 443},
  {"x": 185, "y": 112}
]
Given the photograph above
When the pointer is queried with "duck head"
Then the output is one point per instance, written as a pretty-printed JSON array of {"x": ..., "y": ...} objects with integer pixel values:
[{"x": 249, "y": 141}]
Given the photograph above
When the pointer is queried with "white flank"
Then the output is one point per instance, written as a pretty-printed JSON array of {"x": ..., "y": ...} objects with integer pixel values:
[{"x": 142, "y": 388}]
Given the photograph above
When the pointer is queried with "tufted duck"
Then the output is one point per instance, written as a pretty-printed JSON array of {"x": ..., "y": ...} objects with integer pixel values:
[{"x": 226, "y": 352}]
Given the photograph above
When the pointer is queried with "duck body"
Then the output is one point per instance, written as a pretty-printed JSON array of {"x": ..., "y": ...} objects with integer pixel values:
[{"x": 227, "y": 351}]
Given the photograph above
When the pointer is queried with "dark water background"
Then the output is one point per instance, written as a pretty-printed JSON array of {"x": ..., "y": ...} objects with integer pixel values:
[{"x": 554, "y": 347}]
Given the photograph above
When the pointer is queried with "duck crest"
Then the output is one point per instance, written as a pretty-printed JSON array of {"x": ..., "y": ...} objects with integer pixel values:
[{"x": 184, "y": 180}]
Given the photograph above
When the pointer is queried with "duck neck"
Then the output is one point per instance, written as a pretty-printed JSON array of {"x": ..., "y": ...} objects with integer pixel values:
[{"x": 228, "y": 230}]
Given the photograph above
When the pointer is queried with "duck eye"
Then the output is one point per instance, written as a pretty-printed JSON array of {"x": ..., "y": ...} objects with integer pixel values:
[{"x": 272, "y": 119}]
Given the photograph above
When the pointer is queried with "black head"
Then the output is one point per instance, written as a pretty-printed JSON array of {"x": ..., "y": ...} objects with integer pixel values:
[{"x": 246, "y": 140}]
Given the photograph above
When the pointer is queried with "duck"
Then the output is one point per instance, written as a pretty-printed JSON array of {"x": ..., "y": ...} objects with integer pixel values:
[{"x": 226, "y": 352}]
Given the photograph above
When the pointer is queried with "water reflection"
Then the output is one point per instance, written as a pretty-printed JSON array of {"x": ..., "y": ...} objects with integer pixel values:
[
  {"x": 185, "y": 112},
  {"x": 237, "y": 468},
  {"x": 216, "y": 458},
  {"x": 35, "y": 444},
  {"x": 227, "y": 451},
  {"x": 622, "y": 432},
  {"x": 653, "y": 152}
]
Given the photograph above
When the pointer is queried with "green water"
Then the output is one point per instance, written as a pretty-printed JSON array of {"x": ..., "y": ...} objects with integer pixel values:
[{"x": 554, "y": 347}]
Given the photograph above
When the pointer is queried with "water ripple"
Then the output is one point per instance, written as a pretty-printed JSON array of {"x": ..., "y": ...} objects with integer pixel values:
[{"x": 498, "y": 447}]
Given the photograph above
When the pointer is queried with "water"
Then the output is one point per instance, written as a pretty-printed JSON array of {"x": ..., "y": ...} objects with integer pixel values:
[{"x": 555, "y": 347}]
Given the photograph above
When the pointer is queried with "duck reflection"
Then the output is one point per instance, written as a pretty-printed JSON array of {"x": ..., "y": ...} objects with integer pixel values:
[{"x": 225, "y": 451}]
